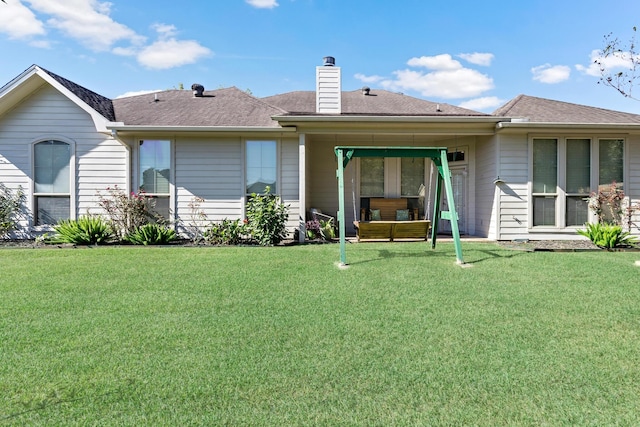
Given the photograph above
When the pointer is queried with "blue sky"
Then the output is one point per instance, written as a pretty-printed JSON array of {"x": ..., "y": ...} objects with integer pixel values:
[{"x": 473, "y": 54}]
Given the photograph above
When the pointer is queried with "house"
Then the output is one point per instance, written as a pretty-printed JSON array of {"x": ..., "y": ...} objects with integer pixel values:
[{"x": 522, "y": 172}]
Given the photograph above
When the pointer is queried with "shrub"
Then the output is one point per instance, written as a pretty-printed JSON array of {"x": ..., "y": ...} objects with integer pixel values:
[
  {"x": 227, "y": 232},
  {"x": 320, "y": 229},
  {"x": 313, "y": 229},
  {"x": 127, "y": 212},
  {"x": 267, "y": 218},
  {"x": 86, "y": 230},
  {"x": 608, "y": 236},
  {"x": 11, "y": 206},
  {"x": 151, "y": 234}
]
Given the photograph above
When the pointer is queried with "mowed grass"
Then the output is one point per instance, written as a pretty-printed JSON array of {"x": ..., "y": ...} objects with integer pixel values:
[{"x": 280, "y": 336}]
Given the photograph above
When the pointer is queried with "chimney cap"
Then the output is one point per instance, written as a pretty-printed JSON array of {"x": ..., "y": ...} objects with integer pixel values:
[{"x": 328, "y": 61}]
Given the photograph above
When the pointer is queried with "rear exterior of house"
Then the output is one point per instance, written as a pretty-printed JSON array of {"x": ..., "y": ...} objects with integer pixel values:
[{"x": 520, "y": 173}]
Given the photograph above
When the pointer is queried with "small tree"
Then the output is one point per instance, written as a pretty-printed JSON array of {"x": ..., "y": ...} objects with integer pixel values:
[
  {"x": 267, "y": 218},
  {"x": 610, "y": 205},
  {"x": 127, "y": 212},
  {"x": 11, "y": 207},
  {"x": 616, "y": 56}
]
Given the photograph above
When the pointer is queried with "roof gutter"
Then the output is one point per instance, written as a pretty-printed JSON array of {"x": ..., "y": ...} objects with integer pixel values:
[
  {"x": 150, "y": 128},
  {"x": 389, "y": 119},
  {"x": 576, "y": 126}
]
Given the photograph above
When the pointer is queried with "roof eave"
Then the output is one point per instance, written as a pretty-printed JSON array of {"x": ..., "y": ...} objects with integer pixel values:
[
  {"x": 121, "y": 127},
  {"x": 388, "y": 119},
  {"x": 572, "y": 126},
  {"x": 27, "y": 76}
]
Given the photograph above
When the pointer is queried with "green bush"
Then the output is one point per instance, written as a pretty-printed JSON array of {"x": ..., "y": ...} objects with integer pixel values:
[
  {"x": 608, "y": 236},
  {"x": 151, "y": 234},
  {"x": 227, "y": 232},
  {"x": 267, "y": 218},
  {"x": 86, "y": 230},
  {"x": 11, "y": 206}
]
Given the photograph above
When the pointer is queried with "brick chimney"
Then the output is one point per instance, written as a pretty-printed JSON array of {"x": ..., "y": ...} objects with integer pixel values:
[{"x": 328, "y": 87}]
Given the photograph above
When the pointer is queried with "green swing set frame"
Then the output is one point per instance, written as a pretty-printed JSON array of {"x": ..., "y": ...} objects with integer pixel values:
[{"x": 344, "y": 154}]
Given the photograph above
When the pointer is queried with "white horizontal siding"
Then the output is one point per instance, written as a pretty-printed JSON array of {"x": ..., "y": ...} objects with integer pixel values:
[
  {"x": 211, "y": 170},
  {"x": 46, "y": 114},
  {"x": 486, "y": 172},
  {"x": 513, "y": 198}
]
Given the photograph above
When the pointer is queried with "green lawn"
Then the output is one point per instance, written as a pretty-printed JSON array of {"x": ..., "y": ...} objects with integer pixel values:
[{"x": 280, "y": 336}]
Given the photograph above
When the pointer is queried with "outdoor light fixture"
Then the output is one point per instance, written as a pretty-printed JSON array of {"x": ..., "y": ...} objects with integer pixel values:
[{"x": 498, "y": 180}]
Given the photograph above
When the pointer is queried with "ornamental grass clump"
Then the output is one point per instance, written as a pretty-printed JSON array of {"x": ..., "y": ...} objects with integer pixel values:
[
  {"x": 608, "y": 236},
  {"x": 86, "y": 230},
  {"x": 151, "y": 234}
]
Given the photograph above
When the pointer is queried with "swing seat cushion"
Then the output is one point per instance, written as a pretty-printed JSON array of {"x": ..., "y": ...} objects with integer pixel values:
[{"x": 402, "y": 215}]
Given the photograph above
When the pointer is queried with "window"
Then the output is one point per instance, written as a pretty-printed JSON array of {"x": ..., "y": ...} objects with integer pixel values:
[
  {"x": 261, "y": 164},
  {"x": 155, "y": 168},
  {"x": 372, "y": 177},
  {"x": 564, "y": 173},
  {"x": 578, "y": 172},
  {"x": 545, "y": 175},
  {"x": 611, "y": 165},
  {"x": 52, "y": 188},
  {"x": 411, "y": 176}
]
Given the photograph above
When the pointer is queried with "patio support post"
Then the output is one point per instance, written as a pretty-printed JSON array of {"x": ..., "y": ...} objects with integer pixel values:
[{"x": 341, "y": 224}]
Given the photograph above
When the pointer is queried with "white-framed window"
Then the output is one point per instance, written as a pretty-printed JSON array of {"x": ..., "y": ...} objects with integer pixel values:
[
  {"x": 154, "y": 161},
  {"x": 564, "y": 172},
  {"x": 52, "y": 181},
  {"x": 261, "y": 164},
  {"x": 371, "y": 177}
]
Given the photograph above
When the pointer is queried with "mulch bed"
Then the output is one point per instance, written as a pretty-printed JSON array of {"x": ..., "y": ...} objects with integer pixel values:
[{"x": 523, "y": 245}]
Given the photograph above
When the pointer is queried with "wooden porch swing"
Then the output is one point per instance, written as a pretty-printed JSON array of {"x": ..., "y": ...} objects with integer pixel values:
[{"x": 438, "y": 155}]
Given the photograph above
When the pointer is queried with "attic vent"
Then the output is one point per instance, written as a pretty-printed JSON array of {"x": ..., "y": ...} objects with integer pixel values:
[
  {"x": 365, "y": 91},
  {"x": 197, "y": 89},
  {"x": 328, "y": 61}
]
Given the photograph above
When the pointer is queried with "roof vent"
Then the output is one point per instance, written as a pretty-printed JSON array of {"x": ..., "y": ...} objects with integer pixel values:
[
  {"x": 366, "y": 90},
  {"x": 198, "y": 90},
  {"x": 329, "y": 61}
]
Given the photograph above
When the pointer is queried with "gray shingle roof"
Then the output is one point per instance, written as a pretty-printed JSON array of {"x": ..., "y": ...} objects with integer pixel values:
[
  {"x": 378, "y": 102},
  {"x": 222, "y": 107},
  {"x": 541, "y": 110},
  {"x": 101, "y": 104}
]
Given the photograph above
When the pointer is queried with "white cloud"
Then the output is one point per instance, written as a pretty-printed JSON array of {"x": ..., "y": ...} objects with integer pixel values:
[
  {"x": 482, "y": 104},
  {"x": 438, "y": 62},
  {"x": 86, "y": 21},
  {"x": 89, "y": 23},
  {"x": 136, "y": 93},
  {"x": 19, "y": 22},
  {"x": 368, "y": 79},
  {"x": 445, "y": 77},
  {"x": 617, "y": 60},
  {"x": 460, "y": 83},
  {"x": 476, "y": 58},
  {"x": 263, "y": 4},
  {"x": 551, "y": 74},
  {"x": 171, "y": 53}
]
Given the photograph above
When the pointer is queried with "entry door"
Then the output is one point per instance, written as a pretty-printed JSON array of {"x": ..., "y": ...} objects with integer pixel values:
[{"x": 459, "y": 183}]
